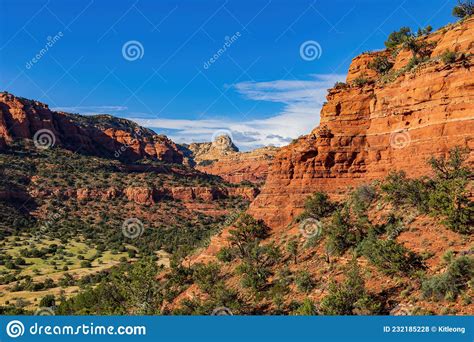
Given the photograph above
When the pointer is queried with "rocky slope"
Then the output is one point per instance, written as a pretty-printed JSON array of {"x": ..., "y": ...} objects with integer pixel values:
[
  {"x": 222, "y": 158},
  {"x": 381, "y": 124},
  {"x": 100, "y": 135}
]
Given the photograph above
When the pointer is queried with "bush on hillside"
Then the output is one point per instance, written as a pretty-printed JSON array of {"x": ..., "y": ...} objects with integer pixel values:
[
  {"x": 397, "y": 37},
  {"x": 307, "y": 308},
  {"x": 360, "y": 81},
  {"x": 450, "y": 197},
  {"x": 448, "y": 57},
  {"x": 318, "y": 206},
  {"x": 341, "y": 233},
  {"x": 459, "y": 273},
  {"x": 207, "y": 276},
  {"x": 304, "y": 282},
  {"x": 400, "y": 190},
  {"x": 463, "y": 9},
  {"x": 349, "y": 297},
  {"x": 380, "y": 64},
  {"x": 389, "y": 256},
  {"x": 424, "y": 31}
]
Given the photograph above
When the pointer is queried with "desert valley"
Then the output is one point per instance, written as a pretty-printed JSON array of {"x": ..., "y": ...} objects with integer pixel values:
[{"x": 369, "y": 213}]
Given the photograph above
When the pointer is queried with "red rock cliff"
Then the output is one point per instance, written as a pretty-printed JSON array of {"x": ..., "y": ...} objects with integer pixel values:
[
  {"x": 101, "y": 135},
  {"x": 368, "y": 130}
]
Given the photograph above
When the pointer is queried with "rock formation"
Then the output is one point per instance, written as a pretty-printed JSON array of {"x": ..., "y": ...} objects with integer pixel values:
[
  {"x": 210, "y": 151},
  {"x": 384, "y": 124},
  {"x": 101, "y": 135},
  {"x": 222, "y": 158}
]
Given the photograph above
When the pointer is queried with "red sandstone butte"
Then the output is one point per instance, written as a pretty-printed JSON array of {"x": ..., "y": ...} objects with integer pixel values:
[{"x": 423, "y": 112}]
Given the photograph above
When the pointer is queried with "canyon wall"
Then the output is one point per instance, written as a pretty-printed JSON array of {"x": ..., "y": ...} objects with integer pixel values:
[
  {"x": 379, "y": 125},
  {"x": 101, "y": 135}
]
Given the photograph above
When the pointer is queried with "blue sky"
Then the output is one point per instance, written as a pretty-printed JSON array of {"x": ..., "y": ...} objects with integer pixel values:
[{"x": 259, "y": 88}]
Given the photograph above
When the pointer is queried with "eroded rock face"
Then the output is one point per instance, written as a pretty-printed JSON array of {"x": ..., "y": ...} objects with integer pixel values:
[
  {"x": 138, "y": 194},
  {"x": 367, "y": 131},
  {"x": 101, "y": 135},
  {"x": 242, "y": 166},
  {"x": 207, "y": 151},
  {"x": 222, "y": 158}
]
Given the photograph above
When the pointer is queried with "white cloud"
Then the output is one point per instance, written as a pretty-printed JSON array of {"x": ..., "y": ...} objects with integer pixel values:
[
  {"x": 302, "y": 101},
  {"x": 90, "y": 110}
]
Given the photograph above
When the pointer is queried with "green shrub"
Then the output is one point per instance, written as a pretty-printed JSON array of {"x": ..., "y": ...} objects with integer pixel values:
[
  {"x": 207, "y": 276},
  {"x": 419, "y": 48},
  {"x": 360, "y": 81},
  {"x": 450, "y": 197},
  {"x": 47, "y": 301},
  {"x": 255, "y": 268},
  {"x": 318, "y": 206},
  {"x": 86, "y": 264},
  {"x": 307, "y": 308},
  {"x": 448, "y": 57},
  {"x": 397, "y": 37},
  {"x": 400, "y": 190},
  {"x": 292, "y": 248},
  {"x": 424, "y": 31},
  {"x": 452, "y": 282},
  {"x": 304, "y": 282},
  {"x": 380, "y": 64},
  {"x": 225, "y": 254},
  {"x": 389, "y": 256},
  {"x": 340, "y": 85},
  {"x": 361, "y": 198},
  {"x": 247, "y": 231},
  {"x": 341, "y": 233},
  {"x": 463, "y": 9},
  {"x": 349, "y": 297}
]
